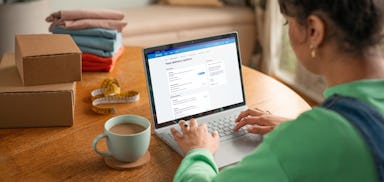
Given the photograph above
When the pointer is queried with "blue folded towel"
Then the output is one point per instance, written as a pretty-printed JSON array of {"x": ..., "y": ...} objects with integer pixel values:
[
  {"x": 98, "y": 52},
  {"x": 103, "y": 44},
  {"x": 97, "y": 32}
]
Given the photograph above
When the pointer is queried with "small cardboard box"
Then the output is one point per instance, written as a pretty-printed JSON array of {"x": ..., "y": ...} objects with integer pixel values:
[
  {"x": 33, "y": 106},
  {"x": 47, "y": 59}
]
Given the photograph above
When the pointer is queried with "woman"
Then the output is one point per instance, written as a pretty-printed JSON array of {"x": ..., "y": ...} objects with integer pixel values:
[{"x": 338, "y": 39}]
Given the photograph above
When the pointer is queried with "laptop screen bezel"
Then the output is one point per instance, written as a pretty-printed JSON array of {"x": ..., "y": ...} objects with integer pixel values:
[{"x": 150, "y": 50}]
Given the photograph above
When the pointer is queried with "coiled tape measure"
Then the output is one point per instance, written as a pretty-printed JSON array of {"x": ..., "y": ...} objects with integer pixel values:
[{"x": 110, "y": 93}]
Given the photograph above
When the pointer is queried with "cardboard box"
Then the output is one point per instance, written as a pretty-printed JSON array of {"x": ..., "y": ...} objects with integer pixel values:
[
  {"x": 47, "y": 59},
  {"x": 33, "y": 106}
]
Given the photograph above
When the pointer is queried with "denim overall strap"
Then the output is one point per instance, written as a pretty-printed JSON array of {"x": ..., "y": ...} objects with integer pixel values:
[{"x": 367, "y": 120}]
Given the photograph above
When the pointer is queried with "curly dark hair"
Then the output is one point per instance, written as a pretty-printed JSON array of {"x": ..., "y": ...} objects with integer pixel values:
[{"x": 356, "y": 24}]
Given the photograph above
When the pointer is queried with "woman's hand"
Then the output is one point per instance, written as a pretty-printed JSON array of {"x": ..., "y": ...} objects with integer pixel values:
[
  {"x": 195, "y": 136},
  {"x": 258, "y": 121}
]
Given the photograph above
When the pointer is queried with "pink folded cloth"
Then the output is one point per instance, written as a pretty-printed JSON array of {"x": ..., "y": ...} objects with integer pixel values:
[
  {"x": 89, "y": 23},
  {"x": 85, "y": 14}
]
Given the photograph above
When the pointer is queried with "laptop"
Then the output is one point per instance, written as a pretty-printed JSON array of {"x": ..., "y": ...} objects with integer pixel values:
[{"x": 199, "y": 79}]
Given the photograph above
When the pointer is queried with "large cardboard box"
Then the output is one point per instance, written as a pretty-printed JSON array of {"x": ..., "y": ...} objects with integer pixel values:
[
  {"x": 47, "y": 59},
  {"x": 33, "y": 106}
]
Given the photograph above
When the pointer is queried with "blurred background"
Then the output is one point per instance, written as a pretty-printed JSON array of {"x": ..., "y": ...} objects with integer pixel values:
[{"x": 263, "y": 39}]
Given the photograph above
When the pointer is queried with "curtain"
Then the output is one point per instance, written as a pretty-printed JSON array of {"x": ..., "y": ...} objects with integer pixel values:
[
  {"x": 269, "y": 26},
  {"x": 277, "y": 58}
]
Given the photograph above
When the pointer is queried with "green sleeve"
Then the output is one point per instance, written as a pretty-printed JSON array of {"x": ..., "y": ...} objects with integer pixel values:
[
  {"x": 197, "y": 165},
  {"x": 318, "y": 145},
  {"x": 260, "y": 165}
]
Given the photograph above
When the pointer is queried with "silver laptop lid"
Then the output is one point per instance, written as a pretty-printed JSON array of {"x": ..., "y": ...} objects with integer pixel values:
[{"x": 193, "y": 78}]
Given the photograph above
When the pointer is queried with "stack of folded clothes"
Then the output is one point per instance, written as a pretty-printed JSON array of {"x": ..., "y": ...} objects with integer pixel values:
[{"x": 96, "y": 32}]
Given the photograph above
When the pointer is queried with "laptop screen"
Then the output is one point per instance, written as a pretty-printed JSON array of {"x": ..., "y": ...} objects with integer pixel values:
[{"x": 194, "y": 78}]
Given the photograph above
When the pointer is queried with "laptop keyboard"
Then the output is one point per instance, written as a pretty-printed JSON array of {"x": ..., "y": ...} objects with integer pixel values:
[{"x": 223, "y": 125}]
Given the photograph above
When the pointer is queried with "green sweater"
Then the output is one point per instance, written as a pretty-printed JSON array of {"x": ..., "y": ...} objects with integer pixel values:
[{"x": 319, "y": 145}]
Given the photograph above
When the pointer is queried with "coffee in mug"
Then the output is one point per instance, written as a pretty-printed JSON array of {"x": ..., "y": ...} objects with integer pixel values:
[
  {"x": 128, "y": 138},
  {"x": 126, "y": 129}
]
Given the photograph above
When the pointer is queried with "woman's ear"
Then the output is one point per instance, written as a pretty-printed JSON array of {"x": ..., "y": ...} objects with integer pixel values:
[{"x": 316, "y": 30}]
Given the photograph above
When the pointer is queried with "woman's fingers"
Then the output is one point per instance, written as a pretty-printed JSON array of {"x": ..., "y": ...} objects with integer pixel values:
[
  {"x": 204, "y": 128},
  {"x": 258, "y": 120},
  {"x": 193, "y": 123},
  {"x": 176, "y": 134},
  {"x": 183, "y": 125},
  {"x": 261, "y": 124},
  {"x": 215, "y": 134},
  {"x": 259, "y": 129},
  {"x": 195, "y": 135},
  {"x": 251, "y": 112}
]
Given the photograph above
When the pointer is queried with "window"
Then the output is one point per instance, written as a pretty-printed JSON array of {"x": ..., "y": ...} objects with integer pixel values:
[{"x": 293, "y": 73}]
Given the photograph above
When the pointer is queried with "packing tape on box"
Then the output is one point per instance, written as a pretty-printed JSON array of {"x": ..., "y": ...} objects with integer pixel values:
[{"x": 110, "y": 93}]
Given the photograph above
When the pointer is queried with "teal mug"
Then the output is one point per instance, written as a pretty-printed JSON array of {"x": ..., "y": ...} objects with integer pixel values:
[{"x": 128, "y": 138}]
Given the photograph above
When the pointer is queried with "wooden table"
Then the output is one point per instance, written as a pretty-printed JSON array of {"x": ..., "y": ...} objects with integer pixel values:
[{"x": 65, "y": 153}]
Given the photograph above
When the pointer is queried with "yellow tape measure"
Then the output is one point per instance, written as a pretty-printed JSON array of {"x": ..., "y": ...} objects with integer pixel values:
[{"x": 110, "y": 93}]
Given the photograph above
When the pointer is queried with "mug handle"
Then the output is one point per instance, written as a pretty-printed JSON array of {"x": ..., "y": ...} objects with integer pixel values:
[{"x": 105, "y": 154}]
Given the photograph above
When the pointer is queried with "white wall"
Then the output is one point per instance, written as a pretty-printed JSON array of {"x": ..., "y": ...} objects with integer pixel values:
[{"x": 29, "y": 17}]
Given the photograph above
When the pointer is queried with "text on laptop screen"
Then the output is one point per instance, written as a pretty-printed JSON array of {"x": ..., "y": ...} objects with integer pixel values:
[{"x": 195, "y": 78}]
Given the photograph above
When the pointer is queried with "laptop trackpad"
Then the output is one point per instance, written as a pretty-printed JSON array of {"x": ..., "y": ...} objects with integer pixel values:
[{"x": 232, "y": 151}]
